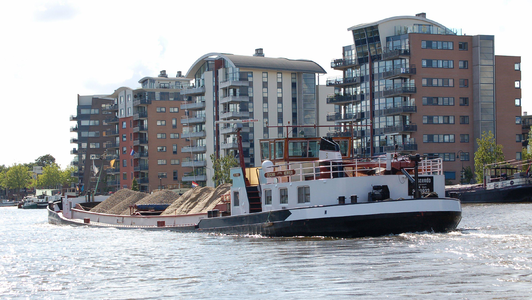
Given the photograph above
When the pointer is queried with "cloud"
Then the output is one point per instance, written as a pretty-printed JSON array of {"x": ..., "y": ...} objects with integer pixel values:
[{"x": 55, "y": 12}]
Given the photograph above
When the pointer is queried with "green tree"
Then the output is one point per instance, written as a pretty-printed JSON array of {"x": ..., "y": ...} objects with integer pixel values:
[
  {"x": 222, "y": 169},
  {"x": 45, "y": 160},
  {"x": 135, "y": 185},
  {"x": 488, "y": 152},
  {"x": 66, "y": 176},
  {"x": 51, "y": 177},
  {"x": 468, "y": 175},
  {"x": 17, "y": 177}
]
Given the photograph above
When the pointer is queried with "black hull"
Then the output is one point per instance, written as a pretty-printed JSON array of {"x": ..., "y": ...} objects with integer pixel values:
[
  {"x": 355, "y": 226},
  {"x": 515, "y": 194}
]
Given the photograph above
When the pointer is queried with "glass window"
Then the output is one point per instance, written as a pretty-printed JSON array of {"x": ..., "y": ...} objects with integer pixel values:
[
  {"x": 462, "y": 46},
  {"x": 161, "y": 122},
  {"x": 264, "y": 76},
  {"x": 161, "y": 161},
  {"x": 464, "y": 138},
  {"x": 161, "y": 109},
  {"x": 161, "y": 148},
  {"x": 518, "y": 156},
  {"x": 268, "y": 197},
  {"x": 279, "y": 77},
  {"x": 283, "y": 196},
  {"x": 303, "y": 194},
  {"x": 124, "y": 176},
  {"x": 464, "y": 82},
  {"x": 517, "y": 84},
  {"x": 174, "y": 162},
  {"x": 236, "y": 200},
  {"x": 161, "y": 135},
  {"x": 517, "y": 120},
  {"x": 124, "y": 150},
  {"x": 517, "y": 66},
  {"x": 124, "y": 137},
  {"x": 124, "y": 124},
  {"x": 517, "y": 102},
  {"x": 124, "y": 163},
  {"x": 174, "y": 123},
  {"x": 463, "y": 64},
  {"x": 464, "y": 101}
]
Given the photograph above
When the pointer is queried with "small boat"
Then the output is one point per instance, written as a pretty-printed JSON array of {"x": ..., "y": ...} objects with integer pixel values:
[
  {"x": 40, "y": 202},
  {"x": 327, "y": 195},
  {"x": 504, "y": 182},
  {"x": 7, "y": 202}
]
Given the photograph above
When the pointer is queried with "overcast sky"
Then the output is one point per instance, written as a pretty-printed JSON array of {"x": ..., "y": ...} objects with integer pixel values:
[{"x": 54, "y": 50}]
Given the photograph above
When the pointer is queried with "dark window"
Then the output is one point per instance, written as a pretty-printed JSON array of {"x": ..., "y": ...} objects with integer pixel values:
[
  {"x": 464, "y": 101},
  {"x": 464, "y": 119},
  {"x": 464, "y": 138},
  {"x": 462, "y": 46},
  {"x": 463, "y": 64},
  {"x": 464, "y": 83}
]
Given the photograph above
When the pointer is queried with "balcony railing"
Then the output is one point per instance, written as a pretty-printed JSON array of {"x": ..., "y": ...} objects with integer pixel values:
[
  {"x": 236, "y": 99},
  {"x": 189, "y": 135},
  {"x": 348, "y": 117},
  {"x": 399, "y": 72},
  {"x": 395, "y": 53},
  {"x": 74, "y": 129},
  {"x": 400, "y": 128},
  {"x": 141, "y": 102},
  {"x": 193, "y": 105},
  {"x": 193, "y": 90},
  {"x": 401, "y": 147},
  {"x": 234, "y": 114},
  {"x": 343, "y": 63},
  {"x": 193, "y": 163},
  {"x": 400, "y": 110},
  {"x": 344, "y": 81},
  {"x": 73, "y": 140},
  {"x": 111, "y": 120},
  {"x": 405, "y": 89},
  {"x": 193, "y": 120},
  {"x": 74, "y": 151},
  {"x": 193, "y": 149},
  {"x": 196, "y": 178},
  {"x": 73, "y": 118},
  {"x": 111, "y": 132},
  {"x": 337, "y": 99}
]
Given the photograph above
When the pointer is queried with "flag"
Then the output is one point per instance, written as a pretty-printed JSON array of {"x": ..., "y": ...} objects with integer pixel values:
[
  {"x": 132, "y": 152},
  {"x": 194, "y": 184},
  {"x": 112, "y": 163}
]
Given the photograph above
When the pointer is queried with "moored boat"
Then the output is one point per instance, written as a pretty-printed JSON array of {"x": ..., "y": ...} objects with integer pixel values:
[{"x": 322, "y": 197}]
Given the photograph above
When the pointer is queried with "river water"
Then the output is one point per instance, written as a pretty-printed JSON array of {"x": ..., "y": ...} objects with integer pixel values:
[{"x": 488, "y": 257}]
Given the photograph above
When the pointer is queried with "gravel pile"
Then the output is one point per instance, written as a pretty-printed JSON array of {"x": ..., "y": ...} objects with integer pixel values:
[
  {"x": 158, "y": 197},
  {"x": 110, "y": 202},
  {"x": 209, "y": 203},
  {"x": 122, "y": 208}
]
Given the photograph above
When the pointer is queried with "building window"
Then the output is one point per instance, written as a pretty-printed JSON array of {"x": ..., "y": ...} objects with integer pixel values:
[
  {"x": 464, "y": 83},
  {"x": 437, "y": 63},
  {"x": 437, "y": 45},
  {"x": 124, "y": 124},
  {"x": 451, "y": 156},
  {"x": 124, "y": 176},
  {"x": 303, "y": 194},
  {"x": 129, "y": 111},
  {"x": 279, "y": 92},
  {"x": 464, "y": 119},
  {"x": 174, "y": 175},
  {"x": 518, "y": 138},
  {"x": 283, "y": 196},
  {"x": 264, "y": 76},
  {"x": 264, "y": 92},
  {"x": 94, "y": 145},
  {"x": 268, "y": 197},
  {"x": 161, "y": 135},
  {"x": 161, "y": 122},
  {"x": 517, "y": 66},
  {"x": 236, "y": 200},
  {"x": 517, "y": 84},
  {"x": 174, "y": 148},
  {"x": 438, "y": 138},
  {"x": 517, "y": 102},
  {"x": 449, "y": 175},
  {"x": 161, "y": 109},
  {"x": 121, "y": 99},
  {"x": 464, "y": 101},
  {"x": 121, "y": 112},
  {"x": 464, "y": 138},
  {"x": 174, "y": 135},
  {"x": 174, "y": 109},
  {"x": 124, "y": 137},
  {"x": 162, "y": 175},
  {"x": 161, "y": 161},
  {"x": 124, "y": 150},
  {"x": 161, "y": 148},
  {"x": 518, "y": 156},
  {"x": 438, "y": 101},
  {"x": 518, "y": 120},
  {"x": 279, "y": 77},
  {"x": 443, "y": 82},
  {"x": 463, "y": 64},
  {"x": 438, "y": 119},
  {"x": 462, "y": 46},
  {"x": 174, "y": 162},
  {"x": 464, "y": 156},
  {"x": 124, "y": 163},
  {"x": 174, "y": 123}
]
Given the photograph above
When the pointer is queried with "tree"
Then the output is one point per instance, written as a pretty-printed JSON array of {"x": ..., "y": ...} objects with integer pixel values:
[
  {"x": 45, "y": 160},
  {"x": 488, "y": 152},
  {"x": 222, "y": 169},
  {"x": 17, "y": 177},
  {"x": 51, "y": 177},
  {"x": 135, "y": 185},
  {"x": 468, "y": 174},
  {"x": 66, "y": 176}
]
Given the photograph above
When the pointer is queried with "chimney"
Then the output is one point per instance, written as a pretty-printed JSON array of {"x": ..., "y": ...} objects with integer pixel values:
[
  {"x": 163, "y": 74},
  {"x": 524, "y": 114},
  {"x": 179, "y": 74},
  {"x": 422, "y": 15},
  {"x": 259, "y": 52}
]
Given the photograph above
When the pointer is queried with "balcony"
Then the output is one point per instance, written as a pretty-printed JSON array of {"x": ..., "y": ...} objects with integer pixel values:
[
  {"x": 400, "y": 110},
  {"x": 111, "y": 132},
  {"x": 74, "y": 151},
  {"x": 233, "y": 145},
  {"x": 232, "y": 129},
  {"x": 73, "y": 118},
  {"x": 345, "y": 117},
  {"x": 192, "y": 120},
  {"x": 112, "y": 145},
  {"x": 193, "y": 163},
  {"x": 113, "y": 171},
  {"x": 73, "y": 140},
  {"x": 399, "y": 72},
  {"x": 74, "y": 129},
  {"x": 137, "y": 142},
  {"x": 395, "y": 53},
  {"x": 355, "y": 134},
  {"x": 243, "y": 81},
  {"x": 344, "y": 81},
  {"x": 234, "y": 114},
  {"x": 193, "y": 91},
  {"x": 343, "y": 63},
  {"x": 345, "y": 99},
  {"x": 140, "y": 115},
  {"x": 196, "y": 178},
  {"x": 401, "y": 147},
  {"x": 193, "y": 106},
  {"x": 400, "y": 128},
  {"x": 112, "y": 107},
  {"x": 74, "y": 162},
  {"x": 194, "y": 149},
  {"x": 138, "y": 102},
  {"x": 406, "y": 89},
  {"x": 144, "y": 180},
  {"x": 140, "y": 128},
  {"x": 234, "y": 99},
  {"x": 110, "y": 120},
  {"x": 189, "y": 135},
  {"x": 142, "y": 168}
]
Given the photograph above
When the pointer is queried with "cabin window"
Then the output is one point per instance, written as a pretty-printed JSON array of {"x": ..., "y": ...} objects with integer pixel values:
[
  {"x": 314, "y": 149},
  {"x": 268, "y": 197},
  {"x": 279, "y": 150},
  {"x": 265, "y": 150},
  {"x": 283, "y": 195},
  {"x": 303, "y": 194},
  {"x": 236, "y": 200},
  {"x": 297, "y": 149},
  {"x": 344, "y": 146}
]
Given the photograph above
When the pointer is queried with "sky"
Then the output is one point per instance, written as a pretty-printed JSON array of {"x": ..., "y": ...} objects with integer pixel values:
[{"x": 54, "y": 50}]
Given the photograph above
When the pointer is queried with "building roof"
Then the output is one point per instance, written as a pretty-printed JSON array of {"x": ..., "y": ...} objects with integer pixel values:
[
  {"x": 396, "y": 18},
  {"x": 260, "y": 62}
]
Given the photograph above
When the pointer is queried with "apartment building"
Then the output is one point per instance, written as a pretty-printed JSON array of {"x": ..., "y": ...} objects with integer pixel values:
[
  {"x": 91, "y": 127},
  {"x": 227, "y": 89},
  {"x": 147, "y": 134},
  {"x": 412, "y": 85}
]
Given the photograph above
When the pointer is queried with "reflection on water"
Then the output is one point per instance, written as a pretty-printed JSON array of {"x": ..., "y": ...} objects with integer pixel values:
[{"x": 489, "y": 255}]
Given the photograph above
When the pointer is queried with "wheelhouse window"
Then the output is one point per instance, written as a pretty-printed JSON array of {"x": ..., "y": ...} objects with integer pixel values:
[
  {"x": 303, "y": 194},
  {"x": 236, "y": 200}
]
